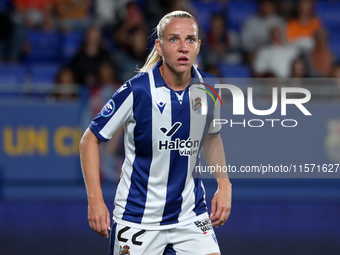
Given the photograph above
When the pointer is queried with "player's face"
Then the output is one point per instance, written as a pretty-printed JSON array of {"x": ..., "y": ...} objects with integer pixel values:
[{"x": 180, "y": 44}]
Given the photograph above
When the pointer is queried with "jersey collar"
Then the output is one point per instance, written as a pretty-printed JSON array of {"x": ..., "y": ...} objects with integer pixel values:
[{"x": 159, "y": 81}]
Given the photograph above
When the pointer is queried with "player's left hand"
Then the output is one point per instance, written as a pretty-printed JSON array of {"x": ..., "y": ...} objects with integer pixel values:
[{"x": 221, "y": 205}]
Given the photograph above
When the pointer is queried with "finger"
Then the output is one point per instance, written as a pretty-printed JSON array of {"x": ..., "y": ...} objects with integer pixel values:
[
  {"x": 221, "y": 220},
  {"x": 108, "y": 221},
  {"x": 218, "y": 212},
  {"x": 92, "y": 223},
  {"x": 103, "y": 226},
  {"x": 213, "y": 208}
]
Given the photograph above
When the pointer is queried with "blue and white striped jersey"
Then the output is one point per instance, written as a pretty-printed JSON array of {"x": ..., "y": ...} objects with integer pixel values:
[{"x": 164, "y": 131}]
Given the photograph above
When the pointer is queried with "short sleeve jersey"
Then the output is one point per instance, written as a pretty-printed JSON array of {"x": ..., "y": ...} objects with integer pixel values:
[{"x": 164, "y": 131}]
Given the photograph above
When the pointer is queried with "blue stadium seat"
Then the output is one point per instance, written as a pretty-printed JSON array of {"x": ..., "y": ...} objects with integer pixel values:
[
  {"x": 234, "y": 71},
  {"x": 335, "y": 46},
  {"x": 43, "y": 75},
  {"x": 45, "y": 47},
  {"x": 70, "y": 43},
  {"x": 329, "y": 13},
  {"x": 12, "y": 75},
  {"x": 238, "y": 12},
  {"x": 204, "y": 11}
]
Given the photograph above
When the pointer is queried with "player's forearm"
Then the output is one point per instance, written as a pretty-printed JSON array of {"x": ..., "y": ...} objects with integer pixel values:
[
  {"x": 214, "y": 155},
  {"x": 89, "y": 158}
]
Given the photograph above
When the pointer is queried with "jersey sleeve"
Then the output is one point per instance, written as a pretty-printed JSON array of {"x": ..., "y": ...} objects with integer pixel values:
[
  {"x": 215, "y": 128},
  {"x": 114, "y": 114}
]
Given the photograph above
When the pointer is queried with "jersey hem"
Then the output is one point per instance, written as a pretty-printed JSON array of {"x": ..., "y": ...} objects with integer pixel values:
[{"x": 202, "y": 216}]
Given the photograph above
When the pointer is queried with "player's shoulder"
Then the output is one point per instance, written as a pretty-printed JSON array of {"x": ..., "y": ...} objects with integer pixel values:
[
  {"x": 205, "y": 74},
  {"x": 208, "y": 78},
  {"x": 139, "y": 80}
]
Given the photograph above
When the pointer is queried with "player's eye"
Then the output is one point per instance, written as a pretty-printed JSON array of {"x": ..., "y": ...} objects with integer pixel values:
[
  {"x": 173, "y": 39},
  {"x": 191, "y": 40}
]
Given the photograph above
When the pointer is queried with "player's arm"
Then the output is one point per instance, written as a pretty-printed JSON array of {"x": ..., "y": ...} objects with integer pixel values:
[
  {"x": 221, "y": 203},
  {"x": 98, "y": 214}
]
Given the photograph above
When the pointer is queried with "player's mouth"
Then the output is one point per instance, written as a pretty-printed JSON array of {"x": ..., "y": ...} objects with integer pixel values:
[{"x": 183, "y": 60}]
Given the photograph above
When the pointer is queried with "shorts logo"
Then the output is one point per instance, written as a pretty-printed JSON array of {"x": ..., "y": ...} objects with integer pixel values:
[
  {"x": 124, "y": 250},
  {"x": 204, "y": 225},
  {"x": 108, "y": 109},
  {"x": 214, "y": 237},
  {"x": 197, "y": 105}
]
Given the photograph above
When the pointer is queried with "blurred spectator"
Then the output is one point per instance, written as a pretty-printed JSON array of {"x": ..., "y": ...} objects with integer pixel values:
[
  {"x": 106, "y": 12},
  {"x": 73, "y": 14},
  {"x": 6, "y": 34},
  {"x": 66, "y": 88},
  {"x": 91, "y": 54},
  {"x": 31, "y": 13},
  {"x": 335, "y": 74},
  {"x": 48, "y": 23},
  {"x": 183, "y": 5},
  {"x": 105, "y": 88},
  {"x": 299, "y": 69},
  {"x": 134, "y": 56},
  {"x": 255, "y": 32},
  {"x": 134, "y": 20},
  {"x": 335, "y": 71},
  {"x": 154, "y": 11},
  {"x": 300, "y": 30},
  {"x": 321, "y": 56},
  {"x": 277, "y": 57},
  {"x": 112, "y": 152},
  {"x": 286, "y": 8},
  {"x": 218, "y": 44}
]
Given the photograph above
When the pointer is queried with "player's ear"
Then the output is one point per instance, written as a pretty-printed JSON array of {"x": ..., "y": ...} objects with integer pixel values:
[
  {"x": 159, "y": 47},
  {"x": 198, "y": 46}
]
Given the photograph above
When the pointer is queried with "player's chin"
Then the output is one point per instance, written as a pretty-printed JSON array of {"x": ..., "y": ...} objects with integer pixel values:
[{"x": 183, "y": 68}]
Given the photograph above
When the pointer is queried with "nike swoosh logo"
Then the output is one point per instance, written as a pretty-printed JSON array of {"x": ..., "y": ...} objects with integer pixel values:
[{"x": 172, "y": 130}]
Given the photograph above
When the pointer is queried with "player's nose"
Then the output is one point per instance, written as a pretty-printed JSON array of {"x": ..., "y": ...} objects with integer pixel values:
[{"x": 183, "y": 47}]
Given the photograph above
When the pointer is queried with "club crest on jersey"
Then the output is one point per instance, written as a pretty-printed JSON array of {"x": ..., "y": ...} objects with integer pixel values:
[
  {"x": 204, "y": 225},
  {"x": 185, "y": 147},
  {"x": 124, "y": 250},
  {"x": 197, "y": 105},
  {"x": 108, "y": 109}
]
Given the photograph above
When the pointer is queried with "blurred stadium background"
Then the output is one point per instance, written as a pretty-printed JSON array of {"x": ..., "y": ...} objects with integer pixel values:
[{"x": 62, "y": 59}]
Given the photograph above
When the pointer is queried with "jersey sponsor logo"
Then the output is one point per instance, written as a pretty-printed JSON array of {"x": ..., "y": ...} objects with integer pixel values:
[
  {"x": 124, "y": 250},
  {"x": 185, "y": 147},
  {"x": 197, "y": 105},
  {"x": 172, "y": 130},
  {"x": 204, "y": 225},
  {"x": 122, "y": 88},
  {"x": 108, "y": 109},
  {"x": 161, "y": 106}
]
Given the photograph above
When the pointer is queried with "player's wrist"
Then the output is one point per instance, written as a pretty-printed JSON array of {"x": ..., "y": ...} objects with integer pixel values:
[
  {"x": 224, "y": 183},
  {"x": 95, "y": 197}
]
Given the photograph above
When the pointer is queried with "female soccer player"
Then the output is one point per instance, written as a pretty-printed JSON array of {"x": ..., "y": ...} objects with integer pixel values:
[{"x": 160, "y": 207}]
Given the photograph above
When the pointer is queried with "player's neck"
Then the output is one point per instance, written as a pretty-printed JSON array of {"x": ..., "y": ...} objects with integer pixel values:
[{"x": 176, "y": 81}]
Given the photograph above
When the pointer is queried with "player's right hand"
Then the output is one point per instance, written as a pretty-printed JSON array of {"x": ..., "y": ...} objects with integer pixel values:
[{"x": 99, "y": 217}]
